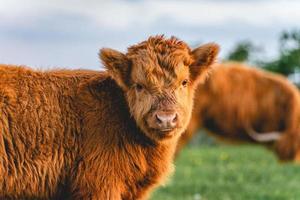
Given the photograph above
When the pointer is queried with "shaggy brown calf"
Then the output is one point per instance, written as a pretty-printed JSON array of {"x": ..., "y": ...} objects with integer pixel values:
[
  {"x": 246, "y": 104},
  {"x": 93, "y": 135}
]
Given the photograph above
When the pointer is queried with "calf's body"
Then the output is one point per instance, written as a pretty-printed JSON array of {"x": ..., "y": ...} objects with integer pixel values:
[
  {"x": 40, "y": 130},
  {"x": 98, "y": 135},
  {"x": 60, "y": 136}
]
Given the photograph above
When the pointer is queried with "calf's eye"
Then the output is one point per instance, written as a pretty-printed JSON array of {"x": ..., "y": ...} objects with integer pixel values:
[
  {"x": 139, "y": 87},
  {"x": 184, "y": 83}
]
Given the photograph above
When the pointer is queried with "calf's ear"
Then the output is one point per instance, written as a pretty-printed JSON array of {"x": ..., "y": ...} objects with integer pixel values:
[
  {"x": 204, "y": 56},
  {"x": 117, "y": 65}
]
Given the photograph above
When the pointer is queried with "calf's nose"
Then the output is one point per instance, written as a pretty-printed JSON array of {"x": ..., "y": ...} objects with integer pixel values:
[{"x": 166, "y": 120}]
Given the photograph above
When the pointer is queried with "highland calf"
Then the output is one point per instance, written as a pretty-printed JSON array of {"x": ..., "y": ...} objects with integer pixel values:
[
  {"x": 98, "y": 135},
  {"x": 239, "y": 103}
]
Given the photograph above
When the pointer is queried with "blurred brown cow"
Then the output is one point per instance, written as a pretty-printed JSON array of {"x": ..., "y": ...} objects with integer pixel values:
[{"x": 247, "y": 104}]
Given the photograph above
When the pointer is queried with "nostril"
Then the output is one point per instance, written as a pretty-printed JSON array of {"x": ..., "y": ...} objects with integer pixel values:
[
  {"x": 175, "y": 118},
  {"x": 158, "y": 119}
]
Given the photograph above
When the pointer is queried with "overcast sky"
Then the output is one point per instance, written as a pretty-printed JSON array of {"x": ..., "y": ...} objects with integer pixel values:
[{"x": 69, "y": 33}]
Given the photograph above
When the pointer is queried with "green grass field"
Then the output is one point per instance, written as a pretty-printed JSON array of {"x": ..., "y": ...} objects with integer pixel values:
[{"x": 231, "y": 173}]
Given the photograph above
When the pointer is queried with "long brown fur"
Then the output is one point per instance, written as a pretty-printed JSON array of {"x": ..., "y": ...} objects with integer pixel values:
[
  {"x": 83, "y": 135},
  {"x": 237, "y": 97}
]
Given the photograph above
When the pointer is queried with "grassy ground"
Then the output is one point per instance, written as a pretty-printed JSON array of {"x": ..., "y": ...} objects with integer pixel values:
[{"x": 231, "y": 173}]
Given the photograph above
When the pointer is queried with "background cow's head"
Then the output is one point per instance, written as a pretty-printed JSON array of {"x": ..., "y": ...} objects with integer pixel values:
[{"x": 158, "y": 77}]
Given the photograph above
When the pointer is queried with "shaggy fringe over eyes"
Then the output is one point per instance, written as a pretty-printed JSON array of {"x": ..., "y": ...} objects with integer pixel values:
[
  {"x": 160, "y": 47},
  {"x": 160, "y": 44}
]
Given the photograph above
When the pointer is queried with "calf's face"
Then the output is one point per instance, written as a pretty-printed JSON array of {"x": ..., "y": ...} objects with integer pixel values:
[{"x": 158, "y": 77}]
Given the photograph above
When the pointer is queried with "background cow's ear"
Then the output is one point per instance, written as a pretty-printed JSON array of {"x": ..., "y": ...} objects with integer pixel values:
[
  {"x": 117, "y": 65},
  {"x": 204, "y": 56}
]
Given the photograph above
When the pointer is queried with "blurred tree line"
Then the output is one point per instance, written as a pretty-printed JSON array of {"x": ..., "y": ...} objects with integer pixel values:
[{"x": 287, "y": 61}]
